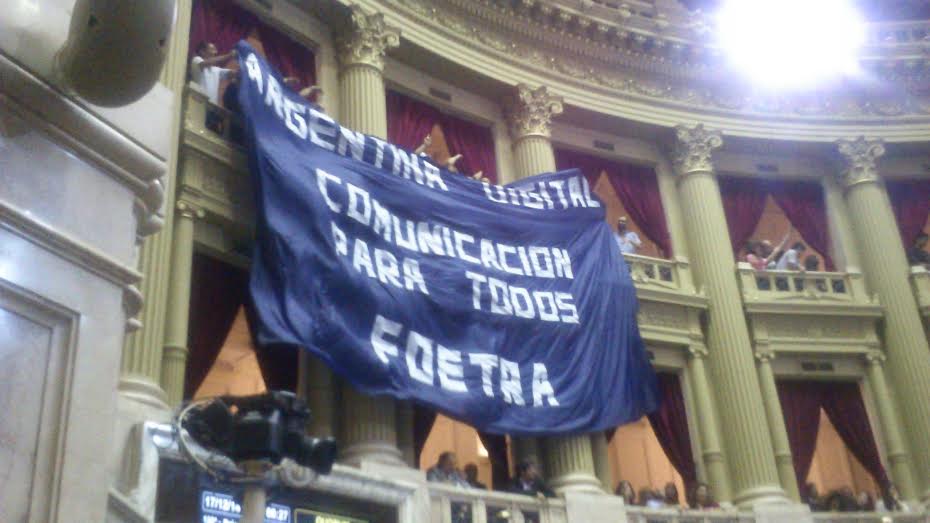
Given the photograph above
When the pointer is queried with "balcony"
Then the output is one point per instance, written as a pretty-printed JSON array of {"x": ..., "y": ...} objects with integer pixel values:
[
  {"x": 920, "y": 282},
  {"x": 450, "y": 504},
  {"x": 841, "y": 293},
  {"x": 669, "y": 304},
  {"x": 457, "y": 505},
  {"x": 818, "y": 313}
]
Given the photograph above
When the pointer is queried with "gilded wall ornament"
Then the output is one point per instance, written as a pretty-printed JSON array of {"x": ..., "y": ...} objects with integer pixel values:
[
  {"x": 529, "y": 111},
  {"x": 366, "y": 39},
  {"x": 694, "y": 147},
  {"x": 860, "y": 156}
]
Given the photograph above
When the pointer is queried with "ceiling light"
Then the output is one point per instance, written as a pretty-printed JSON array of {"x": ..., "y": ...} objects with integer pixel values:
[{"x": 791, "y": 43}]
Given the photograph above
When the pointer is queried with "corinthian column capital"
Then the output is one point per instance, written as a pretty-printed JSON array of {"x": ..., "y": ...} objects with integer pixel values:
[
  {"x": 694, "y": 147},
  {"x": 860, "y": 156},
  {"x": 366, "y": 39},
  {"x": 529, "y": 111}
]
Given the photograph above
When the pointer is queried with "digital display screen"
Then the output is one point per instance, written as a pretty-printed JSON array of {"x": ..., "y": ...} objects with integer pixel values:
[
  {"x": 312, "y": 516},
  {"x": 218, "y": 507}
]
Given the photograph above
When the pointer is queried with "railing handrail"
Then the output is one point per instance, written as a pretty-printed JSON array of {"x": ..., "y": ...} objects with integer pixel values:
[{"x": 492, "y": 497}]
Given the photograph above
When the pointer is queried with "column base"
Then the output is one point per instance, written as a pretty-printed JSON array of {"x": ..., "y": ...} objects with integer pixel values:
[
  {"x": 143, "y": 390},
  {"x": 577, "y": 482},
  {"x": 764, "y": 495},
  {"x": 783, "y": 513},
  {"x": 592, "y": 508},
  {"x": 374, "y": 452}
]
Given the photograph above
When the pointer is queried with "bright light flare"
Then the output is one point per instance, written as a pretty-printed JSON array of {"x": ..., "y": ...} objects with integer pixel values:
[{"x": 791, "y": 43}]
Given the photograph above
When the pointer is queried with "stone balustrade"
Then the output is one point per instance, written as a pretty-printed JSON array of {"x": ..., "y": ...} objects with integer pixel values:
[
  {"x": 449, "y": 504},
  {"x": 920, "y": 282},
  {"x": 657, "y": 274},
  {"x": 803, "y": 288}
]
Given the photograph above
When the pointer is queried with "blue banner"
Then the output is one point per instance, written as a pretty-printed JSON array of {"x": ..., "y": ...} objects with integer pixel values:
[{"x": 509, "y": 308}]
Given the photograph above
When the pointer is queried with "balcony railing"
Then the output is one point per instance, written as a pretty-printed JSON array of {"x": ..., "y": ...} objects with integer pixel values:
[
  {"x": 203, "y": 117},
  {"x": 647, "y": 515},
  {"x": 796, "y": 287},
  {"x": 871, "y": 517},
  {"x": 920, "y": 282},
  {"x": 659, "y": 274},
  {"x": 461, "y": 505}
]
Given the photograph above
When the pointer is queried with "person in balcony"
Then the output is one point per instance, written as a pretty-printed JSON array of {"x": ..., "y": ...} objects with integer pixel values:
[
  {"x": 891, "y": 501},
  {"x": 917, "y": 254},
  {"x": 471, "y": 476},
  {"x": 670, "y": 496},
  {"x": 627, "y": 240},
  {"x": 761, "y": 255},
  {"x": 529, "y": 482},
  {"x": 811, "y": 497},
  {"x": 312, "y": 93},
  {"x": 791, "y": 260},
  {"x": 446, "y": 471},
  {"x": 702, "y": 498},
  {"x": 865, "y": 501},
  {"x": 625, "y": 490},
  {"x": 206, "y": 71}
]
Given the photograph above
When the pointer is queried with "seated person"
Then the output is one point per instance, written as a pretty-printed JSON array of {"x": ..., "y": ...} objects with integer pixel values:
[
  {"x": 529, "y": 482},
  {"x": 701, "y": 498},
  {"x": 446, "y": 471},
  {"x": 916, "y": 255},
  {"x": 670, "y": 497},
  {"x": 811, "y": 497},
  {"x": 471, "y": 476},
  {"x": 625, "y": 490},
  {"x": 649, "y": 498},
  {"x": 791, "y": 260}
]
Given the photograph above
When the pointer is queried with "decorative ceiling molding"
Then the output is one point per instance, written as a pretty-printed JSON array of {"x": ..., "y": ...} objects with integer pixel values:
[{"x": 533, "y": 34}]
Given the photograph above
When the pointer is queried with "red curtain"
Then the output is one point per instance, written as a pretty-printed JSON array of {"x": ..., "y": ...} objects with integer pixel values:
[
  {"x": 842, "y": 402},
  {"x": 474, "y": 142},
  {"x": 910, "y": 201},
  {"x": 803, "y": 205},
  {"x": 224, "y": 23},
  {"x": 800, "y": 406},
  {"x": 743, "y": 203},
  {"x": 670, "y": 424},
  {"x": 423, "y": 419},
  {"x": 279, "y": 365},
  {"x": 496, "y": 445},
  {"x": 410, "y": 120},
  {"x": 844, "y": 406},
  {"x": 637, "y": 188},
  {"x": 217, "y": 291}
]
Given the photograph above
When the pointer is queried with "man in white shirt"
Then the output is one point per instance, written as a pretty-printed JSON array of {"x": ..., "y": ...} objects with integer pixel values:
[
  {"x": 791, "y": 260},
  {"x": 206, "y": 70},
  {"x": 627, "y": 240}
]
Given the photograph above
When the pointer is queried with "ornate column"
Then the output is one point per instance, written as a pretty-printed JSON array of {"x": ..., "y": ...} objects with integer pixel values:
[
  {"x": 405, "y": 434},
  {"x": 369, "y": 423},
  {"x": 895, "y": 449},
  {"x": 601, "y": 456},
  {"x": 360, "y": 50},
  {"x": 845, "y": 251},
  {"x": 665, "y": 175},
  {"x": 887, "y": 272},
  {"x": 568, "y": 460},
  {"x": 529, "y": 115},
  {"x": 789, "y": 480},
  {"x": 748, "y": 444},
  {"x": 142, "y": 351},
  {"x": 315, "y": 385},
  {"x": 707, "y": 424},
  {"x": 174, "y": 364}
]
